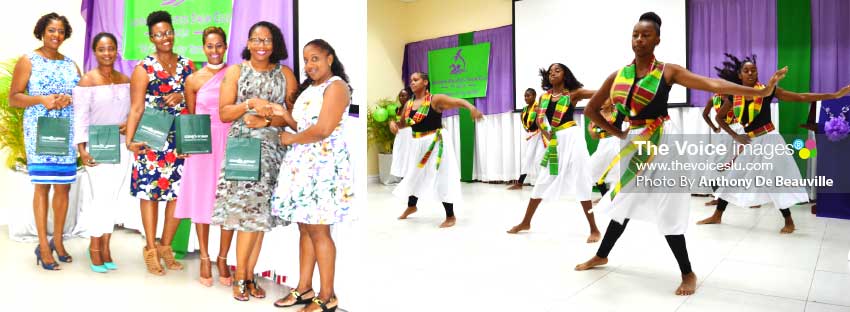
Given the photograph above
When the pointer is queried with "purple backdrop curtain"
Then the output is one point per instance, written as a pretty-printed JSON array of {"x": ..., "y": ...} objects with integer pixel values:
[
  {"x": 246, "y": 13},
  {"x": 105, "y": 16},
  {"x": 830, "y": 45},
  {"x": 500, "y": 84},
  {"x": 733, "y": 26},
  {"x": 108, "y": 16},
  {"x": 832, "y": 163},
  {"x": 416, "y": 58}
]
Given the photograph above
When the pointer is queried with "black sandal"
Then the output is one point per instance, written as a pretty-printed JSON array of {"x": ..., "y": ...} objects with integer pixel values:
[
  {"x": 299, "y": 298},
  {"x": 322, "y": 304}
]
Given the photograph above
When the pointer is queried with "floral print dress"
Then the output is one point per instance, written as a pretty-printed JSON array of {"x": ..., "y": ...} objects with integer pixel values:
[
  {"x": 156, "y": 174},
  {"x": 315, "y": 185}
]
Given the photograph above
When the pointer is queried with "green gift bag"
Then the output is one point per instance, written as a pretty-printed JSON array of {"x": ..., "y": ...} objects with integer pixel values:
[
  {"x": 193, "y": 134},
  {"x": 53, "y": 136},
  {"x": 242, "y": 159},
  {"x": 154, "y": 128},
  {"x": 103, "y": 144}
]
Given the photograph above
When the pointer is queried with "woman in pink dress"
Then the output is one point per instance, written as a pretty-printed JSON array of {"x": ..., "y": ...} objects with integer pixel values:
[{"x": 200, "y": 172}]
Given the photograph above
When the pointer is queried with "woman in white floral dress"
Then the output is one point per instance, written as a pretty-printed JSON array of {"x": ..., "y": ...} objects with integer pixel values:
[{"x": 315, "y": 182}]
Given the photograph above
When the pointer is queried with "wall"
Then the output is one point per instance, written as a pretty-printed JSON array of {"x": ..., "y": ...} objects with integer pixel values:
[{"x": 392, "y": 24}]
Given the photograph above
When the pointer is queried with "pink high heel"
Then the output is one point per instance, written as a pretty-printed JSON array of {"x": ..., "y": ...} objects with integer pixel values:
[
  {"x": 226, "y": 281},
  {"x": 206, "y": 281}
]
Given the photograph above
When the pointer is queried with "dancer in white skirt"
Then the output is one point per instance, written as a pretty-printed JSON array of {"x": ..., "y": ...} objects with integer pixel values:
[
  {"x": 403, "y": 136},
  {"x": 715, "y": 102},
  {"x": 533, "y": 142},
  {"x": 607, "y": 149},
  {"x": 102, "y": 98},
  {"x": 566, "y": 163},
  {"x": 640, "y": 91},
  {"x": 754, "y": 115},
  {"x": 432, "y": 172}
]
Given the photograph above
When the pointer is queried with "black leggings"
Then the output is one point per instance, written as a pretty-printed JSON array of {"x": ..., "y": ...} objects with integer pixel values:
[
  {"x": 521, "y": 178},
  {"x": 450, "y": 209},
  {"x": 721, "y": 206},
  {"x": 676, "y": 243}
]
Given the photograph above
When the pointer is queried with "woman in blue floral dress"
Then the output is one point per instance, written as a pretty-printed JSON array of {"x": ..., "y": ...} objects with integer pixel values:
[
  {"x": 157, "y": 83},
  {"x": 41, "y": 84}
]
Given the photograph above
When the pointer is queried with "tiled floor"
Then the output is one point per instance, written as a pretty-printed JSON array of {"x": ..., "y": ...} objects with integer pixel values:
[
  {"x": 743, "y": 264},
  {"x": 412, "y": 265}
]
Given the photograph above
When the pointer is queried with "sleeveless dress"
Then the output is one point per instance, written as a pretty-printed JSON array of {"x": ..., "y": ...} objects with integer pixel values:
[
  {"x": 156, "y": 174},
  {"x": 573, "y": 178},
  {"x": 316, "y": 185},
  {"x": 437, "y": 179},
  {"x": 50, "y": 77},
  {"x": 246, "y": 205},
  {"x": 101, "y": 185},
  {"x": 201, "y": 171}
]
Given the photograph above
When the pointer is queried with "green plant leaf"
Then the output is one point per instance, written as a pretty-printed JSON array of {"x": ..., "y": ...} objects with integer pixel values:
[{"x": 11, "y": 120}]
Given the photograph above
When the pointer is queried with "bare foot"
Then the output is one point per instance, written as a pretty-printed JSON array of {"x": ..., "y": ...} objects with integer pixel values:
[
  {"x": 594, "y": 237},
  {"x": 515, "y": 186},
  {"x": 688, "y": 285},
  {"x": 593, "y": 262},
  {"x": 714, "y": 219},
  {"x": 756, "y": 206},
  {"x": 713, "y": 202},
  {"x": 788, "y": 228},
  {"x": 450, "y": 222},
  {"x": 518, "y": 228},
  {"x": 409, "y": 211}
]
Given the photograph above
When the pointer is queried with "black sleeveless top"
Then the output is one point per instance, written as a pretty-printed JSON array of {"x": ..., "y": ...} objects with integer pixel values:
[
  {"x": 657, "y": 107},
  {"x": 763, "y": 117},
  {"x": 432, "y": 121},
  {"x": 568, "y": 115}
]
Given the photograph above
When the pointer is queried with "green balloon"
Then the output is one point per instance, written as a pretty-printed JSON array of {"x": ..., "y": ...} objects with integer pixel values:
[
  {"x": 391, "y": 109},
  {"x": 380, "y": 114}
]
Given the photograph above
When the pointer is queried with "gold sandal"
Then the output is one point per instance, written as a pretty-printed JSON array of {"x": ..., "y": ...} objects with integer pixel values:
[
  {"x": 168, "y": 255},
  {"x": 152, "y": 261}
]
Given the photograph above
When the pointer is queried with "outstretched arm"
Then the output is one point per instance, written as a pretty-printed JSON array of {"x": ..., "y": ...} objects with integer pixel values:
[
  {"x": 442, "y": 102},
  {"x": 786, "y": 95},
  {"x": 680, "y": 75}
]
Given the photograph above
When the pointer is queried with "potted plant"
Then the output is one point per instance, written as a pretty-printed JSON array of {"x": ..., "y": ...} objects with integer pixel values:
[
  {"x": 380, "y": 135},
  {"x": 19, "y": 189}
]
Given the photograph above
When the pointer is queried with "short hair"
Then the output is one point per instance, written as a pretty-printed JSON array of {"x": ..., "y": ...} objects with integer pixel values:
[
  {"x": 213, "y": 30},
  {"x": 278, "y": 45},
  {"x": 534, "y": 92},
  {"x": 157, "y": 17},
  {"x": 654, "y": 18},
  {"x": 102, "y": 35},
  {"x": 41, "y": 25}
]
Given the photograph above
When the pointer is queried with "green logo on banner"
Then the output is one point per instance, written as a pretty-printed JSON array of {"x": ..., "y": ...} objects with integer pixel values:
[
  {"x": 189, "y": 18},
  {"x": 460, "y": 72}
]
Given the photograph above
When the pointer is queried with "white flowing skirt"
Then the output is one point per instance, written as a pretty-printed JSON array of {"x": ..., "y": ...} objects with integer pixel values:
[
  {"x": 783, "y": 165},
  {"x": 104, "y": 191},
  {"x": 668, "y": 211},
  {"x": 428, "y": 182},
  {"x": 401, "y": 152},
  {"x": 607, "y": 149},
  {"x": 573, "y": 177},
  {"x": 534, "y": 150}
]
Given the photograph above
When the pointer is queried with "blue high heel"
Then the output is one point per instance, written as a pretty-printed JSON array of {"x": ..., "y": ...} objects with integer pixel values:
[
  {"x": 97, "y": 268},
  {"x": 47, "y": 266},
  {"x": 110, "y": 265},
  {"x": 66, "y": 259}
]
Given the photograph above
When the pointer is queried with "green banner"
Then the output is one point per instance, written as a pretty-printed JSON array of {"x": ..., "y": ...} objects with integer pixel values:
[
  {"x": 794, "y": 49},
  {"x": 460, "y": 72},
  {"x": 189, "y": 18},
  {"x": 465, "y": 122}
]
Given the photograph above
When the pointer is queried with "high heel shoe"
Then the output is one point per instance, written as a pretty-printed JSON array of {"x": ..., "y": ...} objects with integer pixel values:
[
  {"x": 152, "y": 261},
  {"x": 65, "y": 258},
  {"x": 110, "y": 266},
  {"x": 299, "y": 298},
  {"x": 206, "y": 281},
  {"x": 47, "y": 266},
  {"x": 240, "y": 291},
  {"x": 97, "y": 268},
  {"x": 224, "y": 280},
  {"x": 167, "y": 255}
]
